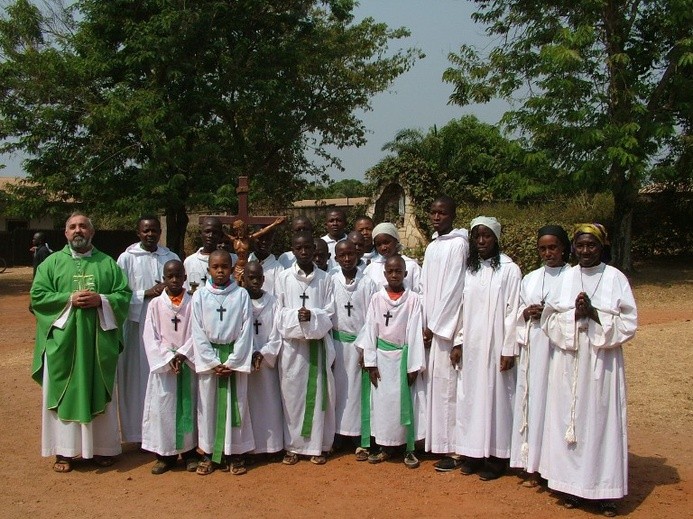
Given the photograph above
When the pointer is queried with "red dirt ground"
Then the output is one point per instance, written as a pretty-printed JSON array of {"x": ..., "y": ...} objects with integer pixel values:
[{"x": 660, "y": 417}]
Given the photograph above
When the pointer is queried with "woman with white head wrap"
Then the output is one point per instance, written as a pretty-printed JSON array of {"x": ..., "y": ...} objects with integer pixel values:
[
  {"x": 588, "y": 318},
  {"x": 386, "y": 242},
  {"x": 486, "y": 388}
]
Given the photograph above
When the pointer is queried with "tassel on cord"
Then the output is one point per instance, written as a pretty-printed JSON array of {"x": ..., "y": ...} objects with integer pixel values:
[
  {"x": 524, "y": 429},
  {"x": 570, "y": 431}
]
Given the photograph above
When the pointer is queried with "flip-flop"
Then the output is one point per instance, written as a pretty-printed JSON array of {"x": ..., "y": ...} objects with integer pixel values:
[{"x": 62, "y": 464}]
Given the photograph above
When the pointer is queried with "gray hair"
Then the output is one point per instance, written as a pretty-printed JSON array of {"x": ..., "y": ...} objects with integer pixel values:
[{"x": 77, "y": 213}]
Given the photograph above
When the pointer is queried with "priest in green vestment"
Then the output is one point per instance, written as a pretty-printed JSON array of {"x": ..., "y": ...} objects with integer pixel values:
[{"x": 80, "y": 299}]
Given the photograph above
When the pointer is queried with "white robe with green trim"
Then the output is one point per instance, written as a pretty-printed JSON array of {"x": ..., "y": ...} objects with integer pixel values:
[
  {"x": 294, "y": 357},
  {"x": 208, "y": 328}
]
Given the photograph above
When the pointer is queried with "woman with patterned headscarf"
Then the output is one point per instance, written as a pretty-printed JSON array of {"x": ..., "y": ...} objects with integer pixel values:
[
  {"x": 553, "y": 246},
  {"x": 486, "y": 384},
  {"x": 587, "y": 319},
  {"x": 386, "y": 243}
]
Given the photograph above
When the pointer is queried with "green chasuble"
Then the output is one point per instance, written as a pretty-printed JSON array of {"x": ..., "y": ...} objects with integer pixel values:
[{"x": 81, "y": 357}]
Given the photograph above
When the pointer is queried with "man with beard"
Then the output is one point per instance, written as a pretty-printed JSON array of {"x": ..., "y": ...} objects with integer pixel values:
[{"x": 80, "y": 298}]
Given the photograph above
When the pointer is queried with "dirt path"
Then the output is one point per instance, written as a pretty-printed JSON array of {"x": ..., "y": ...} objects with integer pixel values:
[{"x": 660, "y": 416}]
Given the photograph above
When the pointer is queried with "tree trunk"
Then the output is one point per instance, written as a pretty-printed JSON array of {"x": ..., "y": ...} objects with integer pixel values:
[
  {"x": 176, "y": 225},
  {"x": 625, "y": 196}
]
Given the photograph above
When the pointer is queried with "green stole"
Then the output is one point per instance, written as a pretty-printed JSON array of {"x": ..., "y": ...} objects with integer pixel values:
[
  {"x": 406, "y": 405},
  {"x": 224, "y": 386},
  {"x": 316, "y": 345},
  {"x": 184, "y": 407},
  {"x": 365, "y": 392}
]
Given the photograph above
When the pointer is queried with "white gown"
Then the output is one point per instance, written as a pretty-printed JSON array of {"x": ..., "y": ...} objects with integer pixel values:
[
  {"x": 485, "y": 395},
  {"x": 442, "y": 283},
  {"x": 143, "y": 269},
  {"x": 346, "y": 323},
  {"x": 306, "y": 433},
  {"x": 210, "y": 326},
  {"x": 585, "y": 443},
  {"x": 264, "y": 393},
  {"x": 163, "y": 339},
  {"x": 270, "y": 269},
  {"x": 400, "y": 323},
  {"x": 376, "y": 271},
  {"x": 532, "y": 371}
]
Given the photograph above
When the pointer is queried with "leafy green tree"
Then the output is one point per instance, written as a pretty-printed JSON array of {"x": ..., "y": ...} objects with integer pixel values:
[
  {"x": 466, "y": 159},
  {"x": 144, "y": 105},
  {"x": 604, "y": 86}
]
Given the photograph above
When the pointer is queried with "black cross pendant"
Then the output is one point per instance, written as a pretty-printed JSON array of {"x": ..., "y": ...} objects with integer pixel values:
[
  {"x": 175, "y": 322},
  {"x": 257, "y": 325},
  {"x": 221, "y": 311},
  {"x": 348, "y": 307},
  {"x": 304, "y": 296},
  {"x": 387, "y": 317}
]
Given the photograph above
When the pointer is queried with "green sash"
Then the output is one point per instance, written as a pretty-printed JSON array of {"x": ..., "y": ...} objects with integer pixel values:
[
  {"x": 184, "y": 417},
  {"x": 224, "y": 386},
  {"x": 312, "y": 388},
  {"x": 406, "y": 405},
  {"x": 365, "y": 392}
]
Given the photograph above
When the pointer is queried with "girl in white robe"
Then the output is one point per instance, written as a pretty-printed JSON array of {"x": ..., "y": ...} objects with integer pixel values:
[
  {"x": 386, "y": 240},
  {"x": 553, "y": 246},
  {"x": 486, "y": 388},
  {"x": 588, "y": 319}
]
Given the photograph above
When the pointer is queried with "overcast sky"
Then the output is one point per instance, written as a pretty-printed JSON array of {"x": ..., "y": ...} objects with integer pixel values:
[{"x": 417, "y": 99}]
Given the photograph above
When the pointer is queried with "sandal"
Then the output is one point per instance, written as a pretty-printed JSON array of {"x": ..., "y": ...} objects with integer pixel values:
[
  {"x": 318, "y": 460},
  {"x": 571, "y": 502},
  {"x": 379, "y": 457},
  {"x": 104, "y": 461},
  {"x": 608, "y": 508},
  {"x": 361, "y": 454},
  {"x": 191, "y": 464},
  {"x": 237, "y": 466},
  {"x": 205, "y": 467},
  {"x": 291, "y": 458},
  {"x": 162, "y": 466},
  {"x": 62, "y": 464}
]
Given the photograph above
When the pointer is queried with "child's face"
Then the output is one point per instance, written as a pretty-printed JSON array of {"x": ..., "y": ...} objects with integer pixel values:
[
  {"x": 485, "y": 241},
  {"x": 359, "y": 243},
  {"x": 395, "y": 272},
  {"x": 304, "y": 249},
  {"x": 174, "y": 277},
  {"x": 253, "y": 279},
  {"x": 336, "y": 224},
  {"x": 320, "y": 257},
  {"x": 263, "y": 244},
  {"x": 386, "y": 245},
  {"x": 220, "y": 268},
  {"x": 365, "y": 227},
  {"x": 346, "y": 256}
]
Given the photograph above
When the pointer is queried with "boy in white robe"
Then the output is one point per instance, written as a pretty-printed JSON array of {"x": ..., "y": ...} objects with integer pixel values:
[
  {"x": 299, "y": 224},
  {"x": 262, "y": 252},
  {"x": 212, "y": 234},
  {"x": 486, "y": 385},
  {"x": 392, "y": 343},
  {"x": 588, "y": 318},
  {"x": 306, "y": 303},
  {"x": 442, "y": 282},
  {"x": 264, "y": 393},
  {"x": 553, "y": 246},
  {"x": 223, "y": 345},
  {"x": 364, "y": 225},
  {"x": 352, "y": 295},
  {"x": 168, "y": 423},
  {"x": 143, "y": 264}
]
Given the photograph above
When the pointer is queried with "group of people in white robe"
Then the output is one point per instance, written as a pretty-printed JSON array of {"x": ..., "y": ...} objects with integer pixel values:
[{"x": 489, "y": 369}]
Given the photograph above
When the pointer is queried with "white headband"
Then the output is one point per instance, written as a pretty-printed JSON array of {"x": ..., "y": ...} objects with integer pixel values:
[{"x": 488, "y": 221}]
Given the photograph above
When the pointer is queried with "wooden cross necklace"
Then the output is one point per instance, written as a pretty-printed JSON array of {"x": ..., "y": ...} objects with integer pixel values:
[{"x": 349, "y": 307}]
